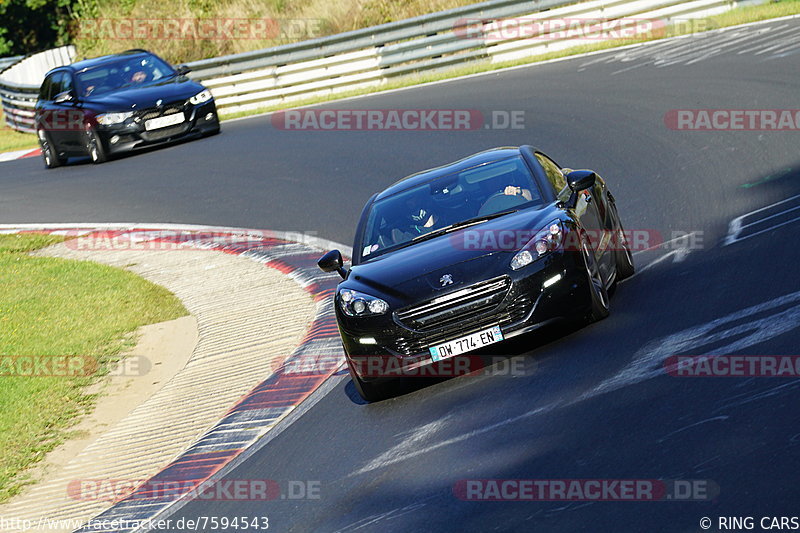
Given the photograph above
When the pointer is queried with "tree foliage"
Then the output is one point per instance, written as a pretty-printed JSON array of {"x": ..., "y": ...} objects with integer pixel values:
[{"x": 33, "y": 25}]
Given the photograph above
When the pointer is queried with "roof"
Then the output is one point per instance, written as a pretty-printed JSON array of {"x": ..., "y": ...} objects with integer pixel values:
[
  {"x": 89, "y": 63},
  {"x": 487, "y": 156}
]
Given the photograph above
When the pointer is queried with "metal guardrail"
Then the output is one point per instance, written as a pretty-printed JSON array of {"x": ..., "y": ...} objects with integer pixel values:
[
  {"x": 20, "y": 82},
  {"x": 6, "y": 62},
  {"x": 370, "y": 57}
]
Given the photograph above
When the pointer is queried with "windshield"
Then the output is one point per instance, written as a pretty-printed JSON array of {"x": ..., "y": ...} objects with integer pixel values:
[
  {"x": 403, "y": 218},
  {"x": 127, "y": 72}
]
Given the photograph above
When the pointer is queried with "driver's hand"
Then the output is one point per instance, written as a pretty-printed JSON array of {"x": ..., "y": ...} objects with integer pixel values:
[{"x": 512, "y": 191}]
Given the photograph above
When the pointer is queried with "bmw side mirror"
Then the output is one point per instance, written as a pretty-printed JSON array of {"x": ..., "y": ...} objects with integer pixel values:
[
  {"x": 332, "y": 262},
  {"x": 64, "y": 97},
  {"x": 183, "y": 70},
  {"x": 579, "y": 180}
]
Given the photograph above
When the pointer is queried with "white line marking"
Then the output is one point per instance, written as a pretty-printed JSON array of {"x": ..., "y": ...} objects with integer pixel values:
[
  {"x": 648, "y": 361},
  {"x": 785, "y": 51},
  {"x": 778, "y": 45},
  {"x": 749, "y": 398},
  {"x": 677, "y": 256},
  {"x": 389, "y": 515},
  {"x": 690, "y": 426},
  {"x": 681, "y": 237},
  {"x": 736, "y": 225}
]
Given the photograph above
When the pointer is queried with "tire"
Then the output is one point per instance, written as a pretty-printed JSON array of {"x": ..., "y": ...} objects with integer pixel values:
[
  {"x": 94, "y": 146},
  {"x": 623, "y": 257},
  {"x": 370, "y": 392},
  {"x": 598, "y": 295},
  {"x": 49, "y": 154}
]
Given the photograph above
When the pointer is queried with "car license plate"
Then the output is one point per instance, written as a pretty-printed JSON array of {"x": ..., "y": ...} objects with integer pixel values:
[
  {"x": 466, "y": 344},
  {"x": 163, "y": 122}
]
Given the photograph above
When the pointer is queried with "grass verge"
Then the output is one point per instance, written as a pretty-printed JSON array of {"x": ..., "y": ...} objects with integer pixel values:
[
  {"x": 11, "y": 140},
  {"x": 59, "y": 307}
]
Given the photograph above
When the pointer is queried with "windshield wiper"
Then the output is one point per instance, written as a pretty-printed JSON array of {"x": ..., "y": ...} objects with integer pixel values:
[{"x": 464, "y": 223}]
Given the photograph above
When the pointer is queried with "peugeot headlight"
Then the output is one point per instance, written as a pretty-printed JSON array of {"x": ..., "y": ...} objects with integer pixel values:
[
  {"x": 544, "y": 241},
  {"x": 107, "y": 119},
  {"x": 201, "y": 97},
  {"x": 355, "y": 303}
]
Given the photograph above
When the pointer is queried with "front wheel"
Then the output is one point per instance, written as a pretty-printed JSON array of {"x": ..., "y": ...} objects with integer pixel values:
[
  {"x": 49, "y": 153},
  {"x": 94, "y": 146},
  {"x": 598, "y": 294},
  {"x": 370, "y": 392}
]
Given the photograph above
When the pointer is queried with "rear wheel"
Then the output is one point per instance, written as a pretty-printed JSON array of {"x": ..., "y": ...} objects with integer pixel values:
[
  {"x": 49, "y": 154},
  {"x": 94, "y": 146},
  {"x": 597, "y": 290},
  {"x": 623, "y": 257}
]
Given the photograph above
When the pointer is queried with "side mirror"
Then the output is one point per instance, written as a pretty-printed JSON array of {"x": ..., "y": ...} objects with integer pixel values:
[
  {"x": 332, "y": 262},
  {"x": 64, "y": 97},
  {"x": 580, "y": 180},
  {"x": 183, "y": 70}
]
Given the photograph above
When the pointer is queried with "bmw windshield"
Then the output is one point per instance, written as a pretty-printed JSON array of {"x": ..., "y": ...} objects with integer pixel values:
[
  {"x": 123, "y": 74},
  {"x": 469, "y": 196}
]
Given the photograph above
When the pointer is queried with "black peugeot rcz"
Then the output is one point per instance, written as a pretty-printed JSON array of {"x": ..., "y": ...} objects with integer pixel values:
[
  {"x": 116, "y": 103},
  {"x": 468, "y": 254}
]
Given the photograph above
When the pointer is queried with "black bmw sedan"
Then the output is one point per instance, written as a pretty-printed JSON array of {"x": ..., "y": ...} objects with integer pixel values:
[
  {"x": 116, "y": 103},
  {"x": 465, "y": 255}
]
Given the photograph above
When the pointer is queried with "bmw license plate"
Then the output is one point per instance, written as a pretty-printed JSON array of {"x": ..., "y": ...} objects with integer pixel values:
[
  {"x": 466, "y": 344},
  {"x": 163, "y": 122}
]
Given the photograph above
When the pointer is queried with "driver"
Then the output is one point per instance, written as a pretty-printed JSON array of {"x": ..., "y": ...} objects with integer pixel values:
[
  {"x": 417, "y": 220},
  {"x": 139, "y": 76},
  {"x": 139, "y": 71},
  {"x": 421, "y": 220}
]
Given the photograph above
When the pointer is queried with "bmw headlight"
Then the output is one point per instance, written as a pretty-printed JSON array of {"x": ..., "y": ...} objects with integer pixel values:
[
  {"x": 355, "y": 303},
  {"x": 107, "y": 119},
  {"x": 201, "y": 97},
  {"x": 544, "y": 241}
]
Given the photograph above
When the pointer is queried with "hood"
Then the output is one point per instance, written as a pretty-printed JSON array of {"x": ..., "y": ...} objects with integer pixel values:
[
  {"x": 450, "y": 261},
  {"x": 172, "y": 90}
]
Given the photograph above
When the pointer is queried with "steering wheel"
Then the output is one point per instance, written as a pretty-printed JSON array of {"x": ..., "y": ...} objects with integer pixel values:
[{"x": 500, "y": 201}]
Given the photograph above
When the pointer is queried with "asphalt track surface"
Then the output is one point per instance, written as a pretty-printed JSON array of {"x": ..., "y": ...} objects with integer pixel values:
[{"x": 594, "y": 402}]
